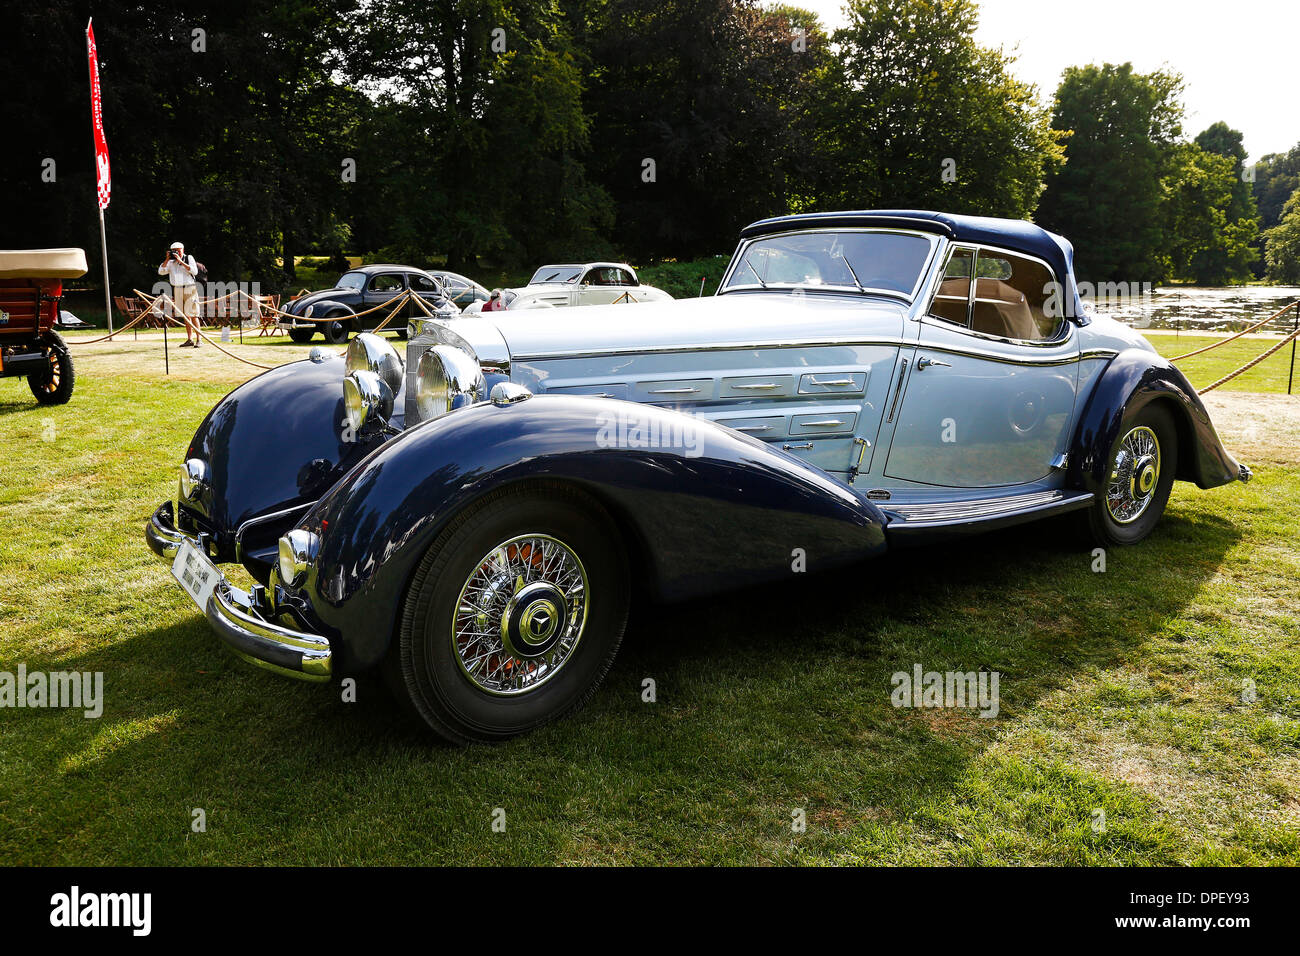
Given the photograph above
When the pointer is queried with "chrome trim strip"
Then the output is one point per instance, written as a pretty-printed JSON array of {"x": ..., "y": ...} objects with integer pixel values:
[
  {"x": 820, "y": 343},
  {"x": 918, "y": 517},
  {"x": 260, "y": 519}
]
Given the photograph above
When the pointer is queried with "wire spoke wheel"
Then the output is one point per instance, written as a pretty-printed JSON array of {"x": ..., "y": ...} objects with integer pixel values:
[
  {"x": 1134, "y": 475},
  {"x": 520, "y": 614}
]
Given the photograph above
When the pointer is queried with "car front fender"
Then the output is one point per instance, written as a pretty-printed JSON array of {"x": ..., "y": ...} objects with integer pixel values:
[
  {"x": 1132, "y": 380},
  {"x": 717, "y": 511},
  {"x": 274, "y": 444}
]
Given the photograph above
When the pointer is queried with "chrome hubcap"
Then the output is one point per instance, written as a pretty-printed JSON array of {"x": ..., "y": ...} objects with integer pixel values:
[
  {"x": 520, "y": 614},
  {"x": 1134, "y": 475}
]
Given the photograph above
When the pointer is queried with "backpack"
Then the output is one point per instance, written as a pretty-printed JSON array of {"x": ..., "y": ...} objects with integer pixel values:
[{"x": 200, "y": 272}]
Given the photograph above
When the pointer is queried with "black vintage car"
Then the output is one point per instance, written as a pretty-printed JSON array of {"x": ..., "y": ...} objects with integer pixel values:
[{"x": 353, "y": 304}]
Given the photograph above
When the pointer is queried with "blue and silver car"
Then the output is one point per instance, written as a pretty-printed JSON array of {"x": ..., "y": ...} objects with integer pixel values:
[{"x": 471, "y": 517}]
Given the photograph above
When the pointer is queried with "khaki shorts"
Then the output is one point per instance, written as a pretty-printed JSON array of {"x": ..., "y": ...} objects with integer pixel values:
[{"x": 186, "y": 298}]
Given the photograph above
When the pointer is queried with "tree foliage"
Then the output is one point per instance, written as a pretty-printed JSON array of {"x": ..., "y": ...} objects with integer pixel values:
[
  {"x": 919, "y": 115},
  {"x": 1107, "y": 197},
  {"x": 522, "y": 130},
  {"x": 1282, "y": 243}
]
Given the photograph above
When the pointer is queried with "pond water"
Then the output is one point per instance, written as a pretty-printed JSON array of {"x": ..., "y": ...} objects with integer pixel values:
[{"x": 1189, "y": 309}]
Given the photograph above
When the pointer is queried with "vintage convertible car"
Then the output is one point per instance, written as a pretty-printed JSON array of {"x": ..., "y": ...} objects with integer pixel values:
[
  {"x": 472, "y": 520},
  {"x": 355, "y": 303},
  {"x": 593, "y": 283}
]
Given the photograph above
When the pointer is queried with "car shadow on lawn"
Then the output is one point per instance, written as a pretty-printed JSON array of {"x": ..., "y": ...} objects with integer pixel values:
[{"x": 764, "y": 699}]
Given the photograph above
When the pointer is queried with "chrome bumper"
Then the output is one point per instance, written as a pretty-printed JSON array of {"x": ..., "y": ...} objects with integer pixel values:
[{"x": 241, "y": 620}]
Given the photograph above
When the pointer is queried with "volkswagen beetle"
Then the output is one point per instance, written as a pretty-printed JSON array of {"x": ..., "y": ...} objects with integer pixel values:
[{"x": 471, "y": 517}]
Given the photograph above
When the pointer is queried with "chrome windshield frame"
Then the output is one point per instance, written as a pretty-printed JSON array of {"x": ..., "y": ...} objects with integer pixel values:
[{"x": 923, "y": 274}]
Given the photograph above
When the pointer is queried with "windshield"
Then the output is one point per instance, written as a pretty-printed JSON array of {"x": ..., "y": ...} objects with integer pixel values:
[
  {"x": 566, "y": 274},
  {"x": 351, "y": 280},
  {"x": 857, "y": 260}
]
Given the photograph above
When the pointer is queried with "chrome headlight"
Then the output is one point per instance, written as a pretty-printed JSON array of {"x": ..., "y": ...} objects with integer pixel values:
[
  {"x": 366, "y": 398},
  {"x": 298, "y": 551},
  {"x": 446, "y": 379},
  {"x": 368, "y": 352},
  {"x": 194, "y": 479}
]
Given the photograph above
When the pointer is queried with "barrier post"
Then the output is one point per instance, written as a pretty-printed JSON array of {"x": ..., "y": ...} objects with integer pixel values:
[
  {"x": 1291, "y": 378},
  {"x": 167, "y": 359}
]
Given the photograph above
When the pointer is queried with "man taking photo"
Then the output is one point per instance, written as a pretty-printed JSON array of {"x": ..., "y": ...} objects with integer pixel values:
[{"x": 180, "y": 270}]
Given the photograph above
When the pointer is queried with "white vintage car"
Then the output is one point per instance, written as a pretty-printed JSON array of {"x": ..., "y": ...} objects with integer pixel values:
[{"x": 593, "y": 283}]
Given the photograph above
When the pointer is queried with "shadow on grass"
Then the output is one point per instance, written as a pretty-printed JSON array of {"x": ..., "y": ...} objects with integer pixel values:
[{"x": 765, "y": 699}]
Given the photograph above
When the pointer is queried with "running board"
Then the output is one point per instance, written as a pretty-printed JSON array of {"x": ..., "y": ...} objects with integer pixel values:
[{"x": 980, "y": 514}]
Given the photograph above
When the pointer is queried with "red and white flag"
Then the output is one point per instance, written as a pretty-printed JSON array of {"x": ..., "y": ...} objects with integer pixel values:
[{"x": 104, "y": 182}]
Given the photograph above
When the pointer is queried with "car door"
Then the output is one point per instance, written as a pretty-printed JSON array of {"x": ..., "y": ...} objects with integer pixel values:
[
  {"x": 602, "y": 285},
  {"x": 991, "y": 387},
  {"x": 382, "y": 288}
]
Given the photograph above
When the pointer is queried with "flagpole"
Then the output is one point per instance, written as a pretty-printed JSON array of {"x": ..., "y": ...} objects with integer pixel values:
[
  {"x": 103, "y": 236},
  {"x": 108, "y": 299}
]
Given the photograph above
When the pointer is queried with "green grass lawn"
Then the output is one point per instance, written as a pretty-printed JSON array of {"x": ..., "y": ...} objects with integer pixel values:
[
  {"x": 1268, "y": 376},
  {"x": 1121, "y": 692}
]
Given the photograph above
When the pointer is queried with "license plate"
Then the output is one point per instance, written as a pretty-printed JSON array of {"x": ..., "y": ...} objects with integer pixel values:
[{"x": 197, "y": 575}]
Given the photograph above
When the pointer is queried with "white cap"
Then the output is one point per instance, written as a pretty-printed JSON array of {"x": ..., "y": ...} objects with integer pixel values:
[{"x": 178, "y": 245}]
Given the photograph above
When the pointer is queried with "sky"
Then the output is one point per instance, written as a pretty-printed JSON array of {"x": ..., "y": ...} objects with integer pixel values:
[{"x": 1240, "y": 61}]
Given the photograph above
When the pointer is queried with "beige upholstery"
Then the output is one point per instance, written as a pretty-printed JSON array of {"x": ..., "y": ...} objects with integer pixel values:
[
  {"x": 42, "y": 263},
  {"x": 1000, "y": 309}
]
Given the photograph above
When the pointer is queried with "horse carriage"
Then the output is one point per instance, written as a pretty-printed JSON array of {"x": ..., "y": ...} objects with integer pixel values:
[{"x": 31, "y": 285}]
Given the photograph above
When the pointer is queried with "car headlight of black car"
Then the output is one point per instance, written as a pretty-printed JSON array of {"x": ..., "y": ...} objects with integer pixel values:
[
  {"x": 372, "y": 380},
  {"x": 446, "y": 379},
  {"x": 297, "y": 552}
]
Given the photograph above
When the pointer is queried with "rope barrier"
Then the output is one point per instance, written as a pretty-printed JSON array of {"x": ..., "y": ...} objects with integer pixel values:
[
  {"x": 1258, "y": 325},
  {"x": 103, "y": 338},
  {"x": 1249, "y": 365}
]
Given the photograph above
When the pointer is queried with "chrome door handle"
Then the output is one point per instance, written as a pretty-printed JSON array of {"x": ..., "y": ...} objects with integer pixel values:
[
  {"x": 824, "y": 423},
  {"x": 673, "y": 391},
  {"x": 836, "y": 381},
  {"x": 754, "y": 428},
  {"x": 760, "y": 386},
  {"x": 925, "y": 362},
  {"x": 806, "y": 445}
]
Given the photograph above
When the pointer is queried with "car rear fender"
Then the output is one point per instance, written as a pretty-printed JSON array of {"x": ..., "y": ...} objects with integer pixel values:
[{"x": 1134, "y": 379}]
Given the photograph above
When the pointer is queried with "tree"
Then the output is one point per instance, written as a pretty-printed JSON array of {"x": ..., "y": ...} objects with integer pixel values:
[
  {"x": 1209, "y": 223},
  {"x": 921, "y": 115},
  {"x": 483, "y": 101},
  {"x": 1107, "y": 198},
  {"x": 1277, "y": 177},
  {"x": 1282, "y": 244},
  {"x": 701, "y": 110}
]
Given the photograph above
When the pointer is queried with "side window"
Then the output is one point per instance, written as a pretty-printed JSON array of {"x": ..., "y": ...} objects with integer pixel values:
[
  {"x": 1011, "y": 293},
  {"x": 951, "y": 299},
  {"x": 423, "y": 284},
  {"x": 388, "y": 282},
  {"x": 623, "y": 277}
]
